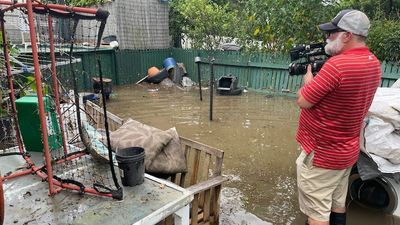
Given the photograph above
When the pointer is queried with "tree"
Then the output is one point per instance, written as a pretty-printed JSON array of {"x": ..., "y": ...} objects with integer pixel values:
[
  {"x": 383, "y": 38},
  {"x": 375, "y": 9},
  {"x": 205, "y": 23},
  {"x": 280, "y": 24}
]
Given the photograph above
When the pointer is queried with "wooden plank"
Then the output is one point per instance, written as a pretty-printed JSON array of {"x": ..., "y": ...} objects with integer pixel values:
[
  {"x": 182, "y": 180},
  {"x": 218, "y": 166},
  {"x": 207, "y": 205},
  {"x": 206, "y": 165},
  {"x": 194, "y": 210},
  {"x": 215, "y": 202},
  {"x": 184, "y": 176},
  {"x": 99, "y": 114},
  {"x": 213, "y": 182},
  {"x": 173, "y": 178},
  {"x": 169, "y": 220},
  {"x": 196, "y": 163},
  {"x": 205, "y": 148}
]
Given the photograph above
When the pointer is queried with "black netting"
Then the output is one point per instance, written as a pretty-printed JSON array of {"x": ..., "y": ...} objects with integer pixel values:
[{"x": 77, "y": 145}]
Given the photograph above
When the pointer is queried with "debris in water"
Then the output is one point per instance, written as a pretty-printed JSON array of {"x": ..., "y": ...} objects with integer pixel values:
[
  {"x": 269, "y": 96},
  {"x": 152, "y": 90}
]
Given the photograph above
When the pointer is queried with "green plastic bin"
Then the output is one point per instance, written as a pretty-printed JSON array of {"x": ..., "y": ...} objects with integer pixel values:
[{"x": 29, "y": 123}]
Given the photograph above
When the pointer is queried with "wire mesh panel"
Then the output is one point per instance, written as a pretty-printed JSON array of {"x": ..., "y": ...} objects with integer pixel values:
[{"x": 45, "y": 113}]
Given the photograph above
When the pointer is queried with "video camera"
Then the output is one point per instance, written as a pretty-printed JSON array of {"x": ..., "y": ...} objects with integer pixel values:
[{"x": 314, "y": 54}]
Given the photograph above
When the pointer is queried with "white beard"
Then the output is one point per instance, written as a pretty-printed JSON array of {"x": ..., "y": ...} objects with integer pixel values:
[{"x": 334, "y": 47}]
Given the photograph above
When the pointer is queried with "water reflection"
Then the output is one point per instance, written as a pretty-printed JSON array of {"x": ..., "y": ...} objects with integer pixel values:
[{"x": 257, "y": 133}]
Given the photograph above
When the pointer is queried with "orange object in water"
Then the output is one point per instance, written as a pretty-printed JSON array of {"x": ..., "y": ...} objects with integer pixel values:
[{"x": 152, "y": 71}]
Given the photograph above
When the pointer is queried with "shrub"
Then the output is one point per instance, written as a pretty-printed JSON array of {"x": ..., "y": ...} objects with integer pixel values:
[{"x": 384, "y": 41}]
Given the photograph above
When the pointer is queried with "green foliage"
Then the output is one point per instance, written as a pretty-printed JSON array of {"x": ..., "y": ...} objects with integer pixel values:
[
  {"x": 375, "y": 9},
  {"x": 31, "y": 83},
  {"x": 384, "y": 41},
  {"x": 383, "y": 38},
  {"x": 207, "y": 24},
  {"x": 280, "y": 24},
  {"x": 12, "y": 49},
  {"x": 176, "y": 23}
]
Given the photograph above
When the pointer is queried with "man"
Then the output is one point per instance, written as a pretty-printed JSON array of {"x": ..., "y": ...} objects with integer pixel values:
[{"x": 333, "y": 105}]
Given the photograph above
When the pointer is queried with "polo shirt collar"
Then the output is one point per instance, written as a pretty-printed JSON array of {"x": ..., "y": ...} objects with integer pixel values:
[{"x": 356, "y": 50}]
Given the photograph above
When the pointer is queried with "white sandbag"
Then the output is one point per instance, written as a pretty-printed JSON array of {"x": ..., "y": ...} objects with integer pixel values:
[
  {"x": 386, "y": 105},
  {"x": 382, "y": 140},
  {"x": 396, "y": 84},
  {"x": 384, "y": 165}
]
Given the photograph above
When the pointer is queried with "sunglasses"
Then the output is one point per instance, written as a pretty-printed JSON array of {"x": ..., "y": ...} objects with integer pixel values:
[{"x": 329, "y": 33}]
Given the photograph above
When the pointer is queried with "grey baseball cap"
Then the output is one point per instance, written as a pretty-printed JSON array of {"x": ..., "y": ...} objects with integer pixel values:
[{"x": 350, "y": 20}]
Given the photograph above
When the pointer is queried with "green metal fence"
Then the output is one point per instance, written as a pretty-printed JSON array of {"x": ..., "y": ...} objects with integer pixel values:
[{"x": 257, "y": 71}]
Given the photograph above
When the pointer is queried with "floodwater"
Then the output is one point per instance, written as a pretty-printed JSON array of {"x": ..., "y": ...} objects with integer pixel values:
[{"x": 256, "y": 132}]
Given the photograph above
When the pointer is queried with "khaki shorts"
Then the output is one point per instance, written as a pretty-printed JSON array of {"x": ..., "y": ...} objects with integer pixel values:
[{"x": 320, "y": 189}]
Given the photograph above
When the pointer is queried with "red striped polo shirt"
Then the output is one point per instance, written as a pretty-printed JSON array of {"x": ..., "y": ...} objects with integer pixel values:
[{"x": 342, "y": 93}]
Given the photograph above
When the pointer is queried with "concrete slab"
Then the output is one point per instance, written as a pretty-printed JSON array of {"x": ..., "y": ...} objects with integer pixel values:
[{"x": 27, "y": 202}]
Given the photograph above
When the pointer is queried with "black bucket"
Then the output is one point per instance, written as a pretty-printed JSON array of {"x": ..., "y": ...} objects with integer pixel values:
[
  {"x": 131, "y": 165},
  {"x": 107, "y": 86}
]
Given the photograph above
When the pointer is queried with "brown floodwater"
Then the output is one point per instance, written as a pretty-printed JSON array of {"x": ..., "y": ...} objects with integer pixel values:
[{"x": 256, "y": 132}]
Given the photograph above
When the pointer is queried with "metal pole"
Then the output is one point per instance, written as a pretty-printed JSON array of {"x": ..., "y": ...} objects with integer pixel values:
[
  {"x": 42, "y": 113},
  {"x": 211, "y": 87},
  {"x": 55, "y": 84},
  {"x": 197, "y": 60}
]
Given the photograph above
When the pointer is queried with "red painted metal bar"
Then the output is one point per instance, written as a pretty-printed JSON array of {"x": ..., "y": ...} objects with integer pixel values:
[
  {"x": 1, "y": 203},
  {"x": 62, "y": 186},
  {"x": 55, "y": 83},
  {"x": 17, "y": 174},
  {"x": 70, "y": 186},
  {"x": 12, "y": 5},
  {"x": 77, "y": 188},
  {"x": 52, "y": 190},
  {"x": 34, "y": 169},
  {"x": 50, "y": 6},
  {"x": 71, "y": 158},
  {"x": 72, "y": 9},
  {"x": 11, "y": 86},
  {"x": 31, "y": 169},
  {"x": 38, "y": 79}
]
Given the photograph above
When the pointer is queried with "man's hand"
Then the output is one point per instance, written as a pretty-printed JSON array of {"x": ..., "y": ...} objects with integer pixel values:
[
  {"x": 301, "y": 101},
  {"x": 307, "y": 78}
]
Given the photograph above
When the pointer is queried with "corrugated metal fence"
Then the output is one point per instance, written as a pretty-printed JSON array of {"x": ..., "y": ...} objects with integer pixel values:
[{"x": 260, "y": 72}]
